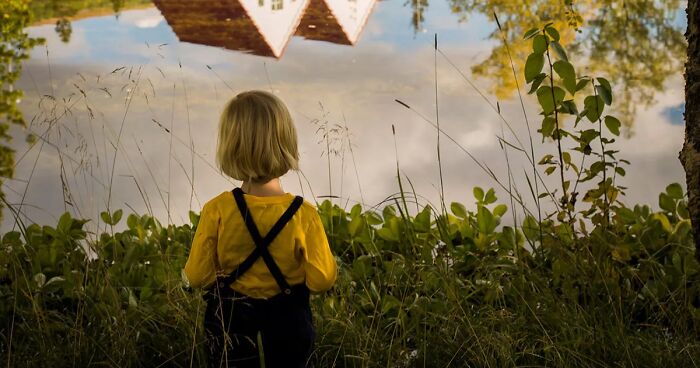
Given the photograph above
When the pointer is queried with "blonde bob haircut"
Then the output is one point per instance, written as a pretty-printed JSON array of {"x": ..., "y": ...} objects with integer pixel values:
[{"x": 257, "y": 140}]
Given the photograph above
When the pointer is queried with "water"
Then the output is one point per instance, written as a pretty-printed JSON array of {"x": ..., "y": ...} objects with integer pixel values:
[{"x": 155, "y": 77}]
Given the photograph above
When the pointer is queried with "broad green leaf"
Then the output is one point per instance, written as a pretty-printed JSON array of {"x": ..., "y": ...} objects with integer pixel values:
[
  {"x": 116, "y": 216},
  {"x": 533, "y": 66},
  {"x": 356, "y": 211},
  {"x": 559, "y": 51},
  {"x": 548, "y": 125},
  {"x": 620, "y": 171},
  {"x": 478, "y": 194},
  {"x": 387, "y": 234},
  {"x": 539, "y": 44},
  {"x": 626, "y": 215},
  {"x": 613, "y": 124},
  {"x": 459, "y": 210},
  {"x": 355, "y": 226},
  {"x": 531, "y": 33},
  {"x": 64, "y": 223},
  {"x": 550, "y": 170},
  {"x": 106, "y": 218},
  {"x": 582, "y": 84},
  {"x": 604, "y": 90},
  {"x": 373, "y": 218},
  {"x": 485, "y": 220},
  {"x": 536, "y": 83},
  {"x": 594, "y": 107},
  {"x": 500, "y": 210},
  {"x": 566, "y": 156},
  {"x": 547, "y": 101},
  {"x": 567, "y": 74},
  {"x": 667, "y": 203},
  {"x": 675, "y": 191},
  {"x": 490, "y": 196},
  {"x": 552, "y": 32},
  {"x": 569, "y": 107}
]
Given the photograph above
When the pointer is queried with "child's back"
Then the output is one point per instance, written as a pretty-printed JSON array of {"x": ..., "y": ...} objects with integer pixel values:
[{"x": 259, "y": 254}]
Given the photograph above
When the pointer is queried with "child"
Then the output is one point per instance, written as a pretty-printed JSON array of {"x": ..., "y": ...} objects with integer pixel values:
[{"x": 262, "y": 249}]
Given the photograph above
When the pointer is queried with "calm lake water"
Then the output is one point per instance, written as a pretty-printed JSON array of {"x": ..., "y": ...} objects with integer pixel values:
[{"x": 130, "y": 101}]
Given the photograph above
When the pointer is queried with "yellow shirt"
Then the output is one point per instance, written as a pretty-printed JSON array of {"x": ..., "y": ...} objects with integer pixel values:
[{"x": 300, "y": 250}]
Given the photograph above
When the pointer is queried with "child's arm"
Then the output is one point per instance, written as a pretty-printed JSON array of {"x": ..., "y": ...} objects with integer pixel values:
[
  {"x": 200, "y": 268},
  {"x": 319, "y": 265}
]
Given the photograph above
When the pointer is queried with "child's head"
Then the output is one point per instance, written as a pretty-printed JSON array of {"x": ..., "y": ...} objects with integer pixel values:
[{"x": 257, "y": 140}]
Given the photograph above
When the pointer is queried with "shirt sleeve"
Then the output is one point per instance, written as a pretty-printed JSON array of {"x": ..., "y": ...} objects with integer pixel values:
[
  {"x": 200, "y": 268},
  {"x": 319, "y": 262}
]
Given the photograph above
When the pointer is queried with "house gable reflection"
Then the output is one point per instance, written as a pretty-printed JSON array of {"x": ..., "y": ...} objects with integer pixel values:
[{"x": 264, "y": 27}]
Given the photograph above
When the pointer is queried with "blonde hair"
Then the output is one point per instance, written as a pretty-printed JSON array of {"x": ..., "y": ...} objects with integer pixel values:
[{"x": 257, "y": 139}]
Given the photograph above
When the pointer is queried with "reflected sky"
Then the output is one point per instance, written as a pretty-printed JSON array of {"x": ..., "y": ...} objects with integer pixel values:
[{"x": 164, "y": 96}]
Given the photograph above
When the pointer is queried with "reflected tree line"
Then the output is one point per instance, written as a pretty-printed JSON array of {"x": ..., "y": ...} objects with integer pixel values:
[
  {"x": 636, "y": 43},
  {"x": 63, "y": 10}
]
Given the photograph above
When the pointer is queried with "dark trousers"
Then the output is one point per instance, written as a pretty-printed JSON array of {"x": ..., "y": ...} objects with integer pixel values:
[{"x": 242, "y": 330}]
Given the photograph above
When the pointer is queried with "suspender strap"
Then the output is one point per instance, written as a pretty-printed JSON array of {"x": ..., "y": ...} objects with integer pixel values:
[{"x": 262, "y": 243}]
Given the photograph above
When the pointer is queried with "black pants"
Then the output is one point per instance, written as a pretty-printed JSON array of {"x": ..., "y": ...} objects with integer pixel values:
[{"x": 236, "y": 324}]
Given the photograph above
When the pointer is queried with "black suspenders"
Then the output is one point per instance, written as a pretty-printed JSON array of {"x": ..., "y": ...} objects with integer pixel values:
[{"x": 261, "y": 243}]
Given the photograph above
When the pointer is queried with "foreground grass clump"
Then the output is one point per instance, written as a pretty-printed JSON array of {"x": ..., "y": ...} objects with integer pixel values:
[{"x": 420, "y": 290}]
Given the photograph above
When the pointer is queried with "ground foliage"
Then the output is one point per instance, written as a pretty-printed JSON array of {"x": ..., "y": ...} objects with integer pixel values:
[{"x": 603, "y": 285}]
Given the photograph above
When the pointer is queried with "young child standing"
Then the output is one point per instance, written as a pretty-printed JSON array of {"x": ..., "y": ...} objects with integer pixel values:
[{"x": 259, "y": 250}]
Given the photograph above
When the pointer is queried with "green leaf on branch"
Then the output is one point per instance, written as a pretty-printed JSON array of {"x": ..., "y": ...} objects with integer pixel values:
[
  {"x": 569, "y": 107},
  {"x": 594, "y": 107},
  {"x": 536, "y": 83},
  {"x": 559, "y": 51},
  {"x": 533, "y": 66},
  {"x": 544, "y": 96},
  {"x": 604, "y": 90},
  {"x": 539, "y": 44},
  {"x": 567, "y": 74},
  {"x": 548, "y": 124},
  {"x": 552, "y": 32},
  {"x": 582, "y": 84},
  {"x": 613, "y": 124},
  {"x": 531, "y": 33}
]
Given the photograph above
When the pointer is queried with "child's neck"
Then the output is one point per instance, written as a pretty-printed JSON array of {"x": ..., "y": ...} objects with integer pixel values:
[{"x": 271, "y": 188}]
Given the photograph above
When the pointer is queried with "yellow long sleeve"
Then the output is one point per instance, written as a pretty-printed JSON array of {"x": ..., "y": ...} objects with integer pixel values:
[{"x": 300, "y": 250}]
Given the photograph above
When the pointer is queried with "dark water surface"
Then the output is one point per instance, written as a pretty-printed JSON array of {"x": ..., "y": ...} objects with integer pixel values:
[{"x": 149, "y": 82}]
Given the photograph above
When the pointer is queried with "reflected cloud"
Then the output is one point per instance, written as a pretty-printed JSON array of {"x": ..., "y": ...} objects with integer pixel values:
[{"x": 141, "y": 18}]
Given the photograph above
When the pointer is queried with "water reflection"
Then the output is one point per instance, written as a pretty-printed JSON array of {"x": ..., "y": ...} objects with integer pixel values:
[
  {"x": 164, "y": 157},
  {"x": 638, "y": 44}
]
